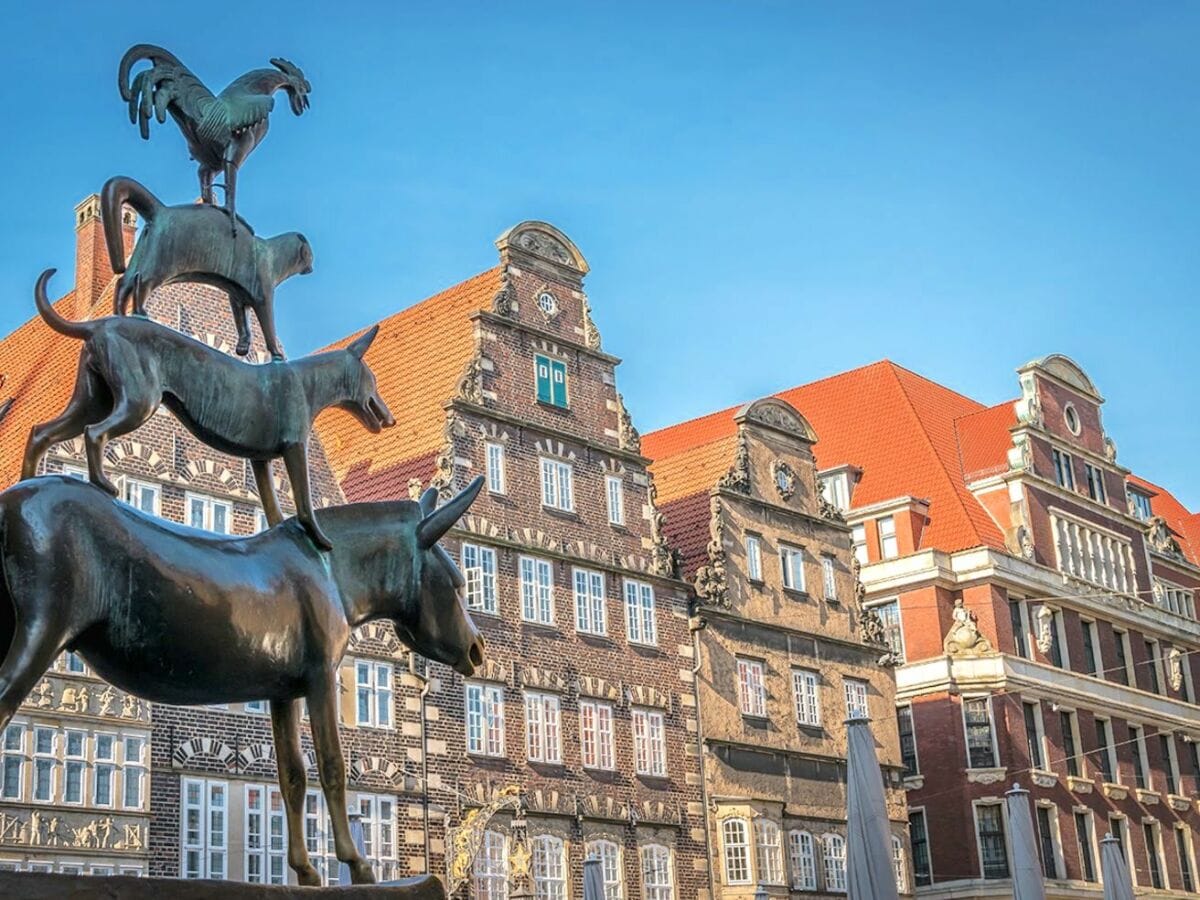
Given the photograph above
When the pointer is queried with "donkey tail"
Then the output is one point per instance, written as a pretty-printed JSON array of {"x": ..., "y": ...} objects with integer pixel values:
[
  {"x": 81, "y": 330},
  {"x": 116, "y": 193}
]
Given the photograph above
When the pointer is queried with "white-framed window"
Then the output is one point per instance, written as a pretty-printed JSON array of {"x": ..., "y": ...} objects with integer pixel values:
[
  {"x": 72, "y": 662},
  {"x": 103, "y": 768},
  {"x": 208, "y": 513},
  {"x": 260, "y": 521},
  {"x": 1085, "y": 839},
  {"x": 1152, "y": 832},
  {"x": 1140, "y": 503},
  {"x": 898, "y": 864},
  {"x": 1064, "y": 471},
  {"x": 45, "y": 762},
  {"x": 485, "y": 719},
  {"x": 1141, "y": 762},
  {"x": 589, "y": 602},
  {"x": 204, "y": 829},
  {"x": 829, "y": 577},
  {"x": 1091, "y": 648},
  {"x": 893, "y": 629},
  {"x": 1123, "y": 671},
  {"x": 549, "y": 868},
  {"x": 908, "y": 739},
  {"x": 614, "y": 491},
  {"x": 543, "y": 731},
  {"x": 143, "y": 495},
  {"x": 835, "y": 863},
  {"x": 1035, "y": 734},
  {"x": 888, "y": 547},
  {"x": 1018, "y": 617},
  {"x": 856, "y": 699},
  {"x": 803, "y": 858},
  {"x": 318, "y": 837},
  {"x": 74, "y": 765},
  {"x": 1187, "y": 858},
  {"x": 558, "y": 490},
  {"x": 495, "y": 467},
  {"x": 649, "y": 743},
  {"x": 1170, "y": 761},
  {"x": 991, "y": 840},
  {"x": 377, "y": 812},
  {"x": 980, "y": 733},
  {"x": 373, "y": 693},
  {"x": 537, "y": 589},
  {"x": 1045, "y": 820},
  {"x": 918, "y": 838},
  {"x": 1108, "y": 752},
  {"x": 752, "y": 693},
  {"x": 806, "y": 686},
  {"x": 259, "y": 707},
  {"x": 639, "y": 613},
  {"x": 1095, "y": 482},
  {"x": 479, "y": 570},
  {"x": 596, "y": 748},
  {"x": 609, "y": 855},
  {"x": 768, "y": 852},
  {"x": 264, "y": 835},
  {"x": 836, "y": 490},
  {"x": 13, "y": 769},
  {"x": 489, "y": 874},
  {"x": 133, "y": 772},
  {"x": 754, "y": 557},
  {"x": 735, "y": 839},
  {"x": 658, "y": 883},
  {"x": 791, "y": 560},
  {"x": 858, "y": 538}
]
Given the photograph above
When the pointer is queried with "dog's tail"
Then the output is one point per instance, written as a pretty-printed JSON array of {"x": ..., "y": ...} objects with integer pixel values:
[
  {"x": 116, "y": 193},
  {"x": 81, "y": 330}
]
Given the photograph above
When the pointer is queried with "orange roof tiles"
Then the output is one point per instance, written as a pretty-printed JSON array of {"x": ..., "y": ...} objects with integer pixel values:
[
  {"x": 1183, "y": 522},
  {"x": 984, "y": 439}
]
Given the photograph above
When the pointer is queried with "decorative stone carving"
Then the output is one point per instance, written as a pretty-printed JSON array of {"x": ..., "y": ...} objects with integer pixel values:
[
  {"x": 1115, "y": 791},
  {"x": 1110, "y": 449},
  {"x": 711, "y": 584},
  {"x": 1044, "y": 779},
  {"x": 464, "y": 840},
  {"x": 664, "y": 561},
  {"x": 470, "y": 385},
  {"x": 785, "y": 479},
  {"x": 443, "y": 465},
  {"x": 48, "y": 829},
  {"x": 541, "y": 244},
  {"x": 826, "y": 509},
  {"x": 627, "y": 436},
  {"x": 777, "y": 414},
  {"x": 1020, "y": 455},
  {"x": 1045, "y": 628},
  {"x": 414, "y": 489},
  {"x": 1175, "y": 668},
  {"x": 871, "y": 629},
  {"x": 1025, "y": 542},
  {"x": 504, "y": 303},
  {"x": 1079, "y": 785},
  {"x": 1148, "y": 797},
  {"x": 591, "y": 334},
  {"x": 738, "y": 476},
  {"x": 1029, "y": 408},
  {"x": 964, "y": 637},
  {"x": 985, "y": 776},
  {"x": 1179, "y": 803},
  {"x": 1161, "y": 540}
]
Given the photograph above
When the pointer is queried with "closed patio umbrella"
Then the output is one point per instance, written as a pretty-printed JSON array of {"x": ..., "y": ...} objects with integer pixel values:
[
  {"x": 870, "y": 874},
  {"x": 356, "y": 834},
  {"x": 1026, "y": 868},
  {"x": 1117, "y": 884},
  {"x": 593, "y": 879}
]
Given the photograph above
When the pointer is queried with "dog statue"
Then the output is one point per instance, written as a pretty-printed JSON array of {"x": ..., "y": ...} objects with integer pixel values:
[
  {"x": 129, "y": 366},
  {"x": 194, "y": 243}
]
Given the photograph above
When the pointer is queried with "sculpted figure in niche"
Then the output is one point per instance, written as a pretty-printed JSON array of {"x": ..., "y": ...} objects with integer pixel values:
[{"x": 964, "y": 637}]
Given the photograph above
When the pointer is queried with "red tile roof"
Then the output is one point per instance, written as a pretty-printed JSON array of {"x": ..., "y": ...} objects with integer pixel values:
[
  {"x": 984, "y": 439},
  {"x": 1180, "y": 520}
]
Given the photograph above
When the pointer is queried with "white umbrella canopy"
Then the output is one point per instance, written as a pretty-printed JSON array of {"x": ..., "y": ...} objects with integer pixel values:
[
  {"x": 1026, "y": 868},
  {"x": 869, "y": 871},
  {"x": 1117, "y": 884},
  {"x": 593, "y": 879}
]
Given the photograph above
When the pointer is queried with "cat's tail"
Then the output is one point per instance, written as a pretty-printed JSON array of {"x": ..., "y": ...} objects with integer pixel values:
[
  {"x": 81, "y": 330},
  {"x": 117, "y": 193}
]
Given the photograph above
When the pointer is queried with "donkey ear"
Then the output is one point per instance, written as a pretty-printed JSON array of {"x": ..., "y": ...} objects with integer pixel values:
[
  {"x": 428, "y": 501},
  {"x": 438, "y": 522},
  {"x": 358, "y": 347}
]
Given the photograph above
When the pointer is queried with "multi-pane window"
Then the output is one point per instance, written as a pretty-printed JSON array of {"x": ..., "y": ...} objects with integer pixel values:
[
  {"x": 133, "y": 773},
  {"x": 614, "y": 492},
  {"x": 72, "y": 662},
  {"x": 898, "y": 864},
  {"x": 1070, "y": 741},
  {"x": 479, "y": 570},
  {"x": 649, "y": 743},
  {"x": 549, "y": 869},
  {"x": 74, "y": 765},
  {"x": 1153, "y": 666},
  {"x": 1085, "y": 839},
  {"x": 609, "y": 855},
  {"x": 1106, "y": 754},
  {"x": 558, "y": 480},
  {"x": 44, "y": 764},
  {"x": 1170, "y": 762},
  {"x": 1121, "y": 643},
  {"x": 918, "y": 836},
  {"x": 208, "y": 513},
  {"x": 1141, "y": 765},
  {"x": 1095, "y": 482},
  {"x": 537, "y": 589},
  {"x": 485, "y": 719},
  {"x": 596, "y": 734},
  {"x": 1091, "y": 648},
  {"x": 551, "y": 375},
  {"x": 205, "y": 810},
  {"x": 1034, "y": 739},
  {"x": 1150, "y": 831},
  {"x": 589, "y": 602},
  {"x": 754, "y": 557},
  {"x": 143, "y": 495},
  {"x": 908, "y": 740},
  {"x": 1020, "y": 628},
  {"x": 888, "y": 548},
  {"x": 989, "y": 828},
  {"x": 858, "y": 537},
  {"x": 1186, "y": 860},
  {"x": 103, "y": 769},
  {"x": 495, "y": 468},
  {"x": 836, "y": 491},
  {"x": 1141, "y": 504},
  {"x": 829, "y": 577},
  {"x": 1064, "y": 473},
  {"x": 265, "y": 835},
  {"x": 489, "y": 874},
  {"x": 835, "y": 863},
  {"x": 1046, "y": 841},
  {"x": 639, "y": 613},
  {"x": 1093, "y": 555},
  {"x": 657, "y": 882},
  {"x": 893, "y": 632},
  {"x": 806, "y": 688},
  {"x": 981, "y": 744},
  {"x": 792, "y": 561},
  {"x": 856, "y": 699},
  {"x": 1058, "y": 655},
  {"x": 735, "y": 837},
  {"x": 768, "y": 852},
  {"x": 378, "y": 816},
  {"x": 752, "y": 694},
  {"x": 802, "y": 856},
  {"x": 373, "y": 693},
  {"x": 543, "y": 731}
]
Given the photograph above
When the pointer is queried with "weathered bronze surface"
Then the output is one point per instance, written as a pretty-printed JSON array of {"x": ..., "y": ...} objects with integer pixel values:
[
  {"x": 130, "y": 365},
  {"x": 176, "y": 615},
  {"x": 193, "y": 243},
  {"x": 220, "y": 131}
]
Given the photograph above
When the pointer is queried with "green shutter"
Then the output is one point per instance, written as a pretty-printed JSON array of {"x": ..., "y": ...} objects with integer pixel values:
[
  {"x": 541, "y": 367},
  {"x": 558, "y": 374}
]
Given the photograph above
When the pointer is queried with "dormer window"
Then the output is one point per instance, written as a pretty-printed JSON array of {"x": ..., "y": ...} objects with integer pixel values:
[
  {"x": 836, "y": 490},
  {"x": 1071, "y": 417},
  {"x": 1140, "y": 505}
]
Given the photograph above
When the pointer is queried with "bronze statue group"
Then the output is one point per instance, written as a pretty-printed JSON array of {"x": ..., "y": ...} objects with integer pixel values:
[{"x": 175, "y": 615}]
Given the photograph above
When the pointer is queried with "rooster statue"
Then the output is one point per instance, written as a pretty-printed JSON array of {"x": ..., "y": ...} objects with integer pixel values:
[{"x": 220, "y": 131}]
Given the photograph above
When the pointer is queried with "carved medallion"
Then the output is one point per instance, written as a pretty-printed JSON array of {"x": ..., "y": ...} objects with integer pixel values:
[{"x": 785, "y": 479}]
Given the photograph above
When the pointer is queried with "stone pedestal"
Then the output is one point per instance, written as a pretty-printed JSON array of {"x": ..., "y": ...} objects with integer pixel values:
[{"x": 42, "y": 886}]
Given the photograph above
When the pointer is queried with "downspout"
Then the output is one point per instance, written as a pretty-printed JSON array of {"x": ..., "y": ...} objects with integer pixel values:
[{"x": 696, "y": 624}]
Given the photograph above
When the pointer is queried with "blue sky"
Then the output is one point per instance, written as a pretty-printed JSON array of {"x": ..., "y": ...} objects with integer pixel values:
[{"x": 767, "y": 193}]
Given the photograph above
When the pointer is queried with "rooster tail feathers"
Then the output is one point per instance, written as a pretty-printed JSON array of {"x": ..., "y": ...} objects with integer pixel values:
[
  {"x": 117, "y": 192},
  {"x": 135, "y": 54}
]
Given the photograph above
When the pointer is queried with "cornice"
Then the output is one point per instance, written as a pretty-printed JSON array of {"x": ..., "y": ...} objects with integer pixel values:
[
  {"x": 498, "y": 320},
  {"x": 730, "y": 494},
  {"x": 713, "y": 612}
]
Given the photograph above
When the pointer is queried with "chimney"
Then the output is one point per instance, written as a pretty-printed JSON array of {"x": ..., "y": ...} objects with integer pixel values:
[{"x": 92, "y": 271}]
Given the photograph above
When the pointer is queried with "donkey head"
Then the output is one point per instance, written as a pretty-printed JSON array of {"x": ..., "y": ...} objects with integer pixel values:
[
  {"x": 438, "y": 625},
  {"x": 363, "y": 400}
]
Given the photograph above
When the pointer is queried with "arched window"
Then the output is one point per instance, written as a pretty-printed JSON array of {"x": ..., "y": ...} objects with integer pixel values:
[
  {"x": 489, "y": 879},
  {"x": 610, "y": 864},
  {"x": 657, "y": 883},
  {"x": 549, "y": 870},
  {"x": 898, "y": 863},
  {"x": 835, "y": 863},
  {"x": 736, "y": 840},
  {"x": 768, "y": 853},
  {"x": 803, "y": 858}
]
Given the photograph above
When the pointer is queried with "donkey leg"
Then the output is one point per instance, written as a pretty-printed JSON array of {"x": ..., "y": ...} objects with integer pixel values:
[
  {"x": 285, "y": 727},
  {"x": 127, "y": 414},
  {"x": 322, "y": 710},
  {"x": 89, "y": 402},
  {"x": 266, "y": 490},
  {"x": 34, "y": 646},
  {"x": 295, "y": 458}
]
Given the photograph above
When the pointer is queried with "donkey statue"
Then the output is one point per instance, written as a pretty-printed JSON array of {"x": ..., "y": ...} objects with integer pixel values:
[{"x": 176, "y": 615}]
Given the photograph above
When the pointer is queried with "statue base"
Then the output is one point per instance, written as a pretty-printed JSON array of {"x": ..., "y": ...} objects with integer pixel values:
[{"x": 45, "y": 886}]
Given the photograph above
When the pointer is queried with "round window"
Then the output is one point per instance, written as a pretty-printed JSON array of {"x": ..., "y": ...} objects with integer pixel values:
[
  {"x": 546, "y": 303},
  {"x": 1072, "y": 418}
]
